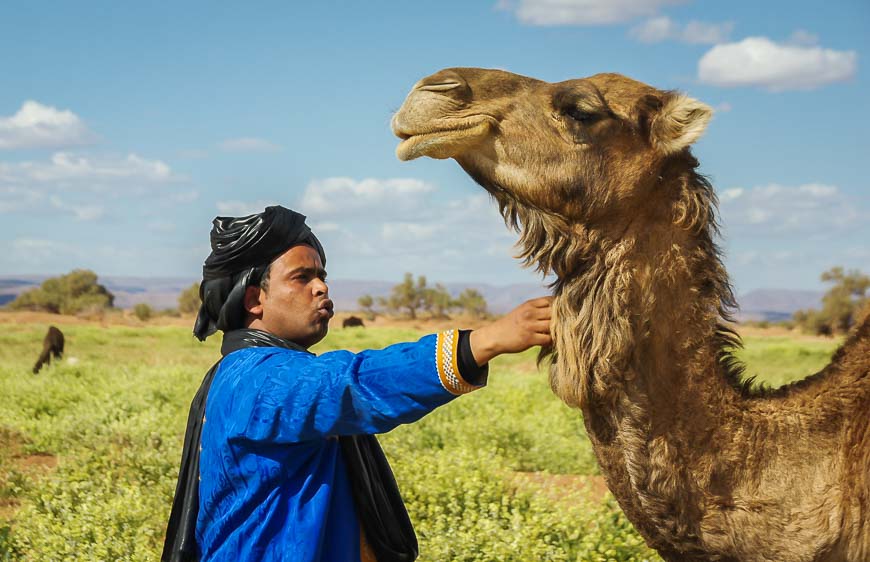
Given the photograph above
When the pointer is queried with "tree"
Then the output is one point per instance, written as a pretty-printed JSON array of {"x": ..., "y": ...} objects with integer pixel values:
[
  {"x": 842, "y": 305},
  {"x": 438, "y": 301},
  {"x": 189, "y": 301},
  {"x": 75, "y": 292},
  {"x": 472, "y": 302},
  {"x": 407, "y": 295},
  {"x": 366, "y": 304}
]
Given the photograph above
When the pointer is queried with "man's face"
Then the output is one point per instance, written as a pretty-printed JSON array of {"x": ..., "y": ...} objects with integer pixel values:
[{"x": 296, "y": 304}]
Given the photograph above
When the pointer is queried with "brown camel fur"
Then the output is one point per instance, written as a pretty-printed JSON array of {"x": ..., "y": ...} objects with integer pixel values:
[{"x": 597, "y": 176}]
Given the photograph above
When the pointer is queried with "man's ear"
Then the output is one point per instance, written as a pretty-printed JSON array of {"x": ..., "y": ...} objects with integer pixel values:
[
  {"x": 253, "y": 301},
  {"x": 679, "y": 123}
]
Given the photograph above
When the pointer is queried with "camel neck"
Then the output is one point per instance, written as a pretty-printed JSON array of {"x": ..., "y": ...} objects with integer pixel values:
[{"x": 639, "y": 347}]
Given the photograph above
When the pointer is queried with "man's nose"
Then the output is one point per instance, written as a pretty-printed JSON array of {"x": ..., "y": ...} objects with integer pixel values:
[{"x": 321, "y": 288}]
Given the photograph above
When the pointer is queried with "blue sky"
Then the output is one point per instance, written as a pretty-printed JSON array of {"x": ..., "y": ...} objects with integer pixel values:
[{"x": 126, "y": 127}]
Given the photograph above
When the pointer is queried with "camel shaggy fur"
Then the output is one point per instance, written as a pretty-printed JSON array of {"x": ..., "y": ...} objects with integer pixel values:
[{"x": 597, "y": 176}]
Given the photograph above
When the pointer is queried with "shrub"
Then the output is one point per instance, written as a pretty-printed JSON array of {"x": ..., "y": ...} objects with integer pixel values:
[
  {"x": 143, "y": 312},
  {"x": 189, "y": 301}
]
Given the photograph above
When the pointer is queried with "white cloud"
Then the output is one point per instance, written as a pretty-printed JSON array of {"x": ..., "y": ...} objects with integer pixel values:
[
  {"x": 817, "y": 190},
  {"x": 249, "y": 144},
  {"x": 585, "y": 12},
  {"x": 663, "y": 28},
  {"x": 79, "y": 186},
  {"x": 85, "y": 212},
  {"x": 332, "y": 197},
  {"x": 811, "y": 209},
  {"x": 758, "y": 61},
  {"x": 65, "y": 167},
  {"x": 731, "y": 194},
  {"x": 326, "y": 227},
  {"x": 14, "y": 199},
  {"x": 407, "y": 231},
  {"x": 804, "y": 38},
  {"x": 235, "y": 208},
  {"x": 42, "y": 126},
  {"x": 34, "y": 251}
]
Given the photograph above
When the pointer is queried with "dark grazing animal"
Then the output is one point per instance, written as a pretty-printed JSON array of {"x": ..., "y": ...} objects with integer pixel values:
[
  {"x": 352, "y": 322},
  {"x": 51, "y": 345}
]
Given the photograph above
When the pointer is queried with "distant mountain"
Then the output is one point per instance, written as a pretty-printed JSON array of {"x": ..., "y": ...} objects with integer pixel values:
[
  {"x": 161, "y": 293},
  {"x": 776, "y": 304}
]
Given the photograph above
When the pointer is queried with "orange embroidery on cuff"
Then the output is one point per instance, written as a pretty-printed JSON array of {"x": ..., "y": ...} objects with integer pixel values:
[{"x": 446, "y": 358}]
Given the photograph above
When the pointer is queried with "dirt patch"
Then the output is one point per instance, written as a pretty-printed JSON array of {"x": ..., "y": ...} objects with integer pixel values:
[
  {"x": 562, "y": 488},
  {"x": 8, "y": 508},
  {"x": 14, "y": 459},
  {"x": 12, "y": 446},
  {"x": 39, "y": 462}
]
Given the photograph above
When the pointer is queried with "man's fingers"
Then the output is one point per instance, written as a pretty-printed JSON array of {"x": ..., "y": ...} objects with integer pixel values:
[
  {"x": 540, "y": 326},
  {"x": 542, "y": 339},
  {"x": 540, "y": 302}
]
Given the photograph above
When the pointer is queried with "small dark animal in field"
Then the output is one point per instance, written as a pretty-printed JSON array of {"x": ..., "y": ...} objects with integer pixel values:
[
  {"x": 51, "y": 345},
  {"x": 352, "y": 322}
]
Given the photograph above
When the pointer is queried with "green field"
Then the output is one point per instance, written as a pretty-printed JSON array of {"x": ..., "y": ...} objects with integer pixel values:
[{"x": 89, "y": 451}]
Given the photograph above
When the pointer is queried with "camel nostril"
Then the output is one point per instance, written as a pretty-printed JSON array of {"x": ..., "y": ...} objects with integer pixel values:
[{"x": 439, "y": 86}]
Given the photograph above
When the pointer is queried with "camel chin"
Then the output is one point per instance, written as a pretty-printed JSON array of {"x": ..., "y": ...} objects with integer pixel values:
[{"x": 442, "y": 144}]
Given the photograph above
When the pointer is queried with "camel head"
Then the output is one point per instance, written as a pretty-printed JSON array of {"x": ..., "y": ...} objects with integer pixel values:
[{"x": 588, "y": 151}]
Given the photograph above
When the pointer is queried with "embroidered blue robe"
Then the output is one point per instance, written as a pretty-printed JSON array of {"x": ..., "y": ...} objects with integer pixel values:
[{"x": 273, "y": 485}]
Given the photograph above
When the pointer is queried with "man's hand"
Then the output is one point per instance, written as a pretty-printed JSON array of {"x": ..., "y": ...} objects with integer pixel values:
[{"x": 525, "y": 326}]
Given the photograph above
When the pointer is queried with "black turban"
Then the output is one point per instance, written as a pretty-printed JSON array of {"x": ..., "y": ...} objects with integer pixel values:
[{"x": 241, "y": 250}]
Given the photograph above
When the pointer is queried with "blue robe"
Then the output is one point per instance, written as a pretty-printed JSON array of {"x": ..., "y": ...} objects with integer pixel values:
[{"x": 273, "y": 484}]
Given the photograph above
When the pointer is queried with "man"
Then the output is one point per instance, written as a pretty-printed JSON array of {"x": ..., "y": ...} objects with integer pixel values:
[{"x": 280, "y": 461}]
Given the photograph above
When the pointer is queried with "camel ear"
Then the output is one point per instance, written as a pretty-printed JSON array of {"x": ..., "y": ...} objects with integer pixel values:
[{"x": 680, "y": 122}]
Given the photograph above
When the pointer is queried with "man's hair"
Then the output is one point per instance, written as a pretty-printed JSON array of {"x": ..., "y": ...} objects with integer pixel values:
[{"x": 264, "y": 277}]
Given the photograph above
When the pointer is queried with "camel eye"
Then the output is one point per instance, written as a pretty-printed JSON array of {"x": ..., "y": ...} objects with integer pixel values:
[{"x": 583, "y": 117}]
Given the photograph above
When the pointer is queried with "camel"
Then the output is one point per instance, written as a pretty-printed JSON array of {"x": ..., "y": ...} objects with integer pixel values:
[
  {"x": 52, "y": 344},
  {"x": 353, "y": 322},
  {"x": 597, "y": 176}
]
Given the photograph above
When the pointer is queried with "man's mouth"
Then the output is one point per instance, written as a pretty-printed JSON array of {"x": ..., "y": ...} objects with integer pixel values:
[{"x": 325, "y": 309}]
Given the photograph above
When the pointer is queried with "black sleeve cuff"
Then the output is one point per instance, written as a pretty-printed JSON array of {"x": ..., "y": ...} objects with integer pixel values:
[{"x": 468, "y": 368}]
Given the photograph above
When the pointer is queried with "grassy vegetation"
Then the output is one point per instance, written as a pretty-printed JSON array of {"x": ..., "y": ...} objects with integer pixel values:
[
  {"x": 778, "y": 360},
  {"x": 89, "y": 451}
]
